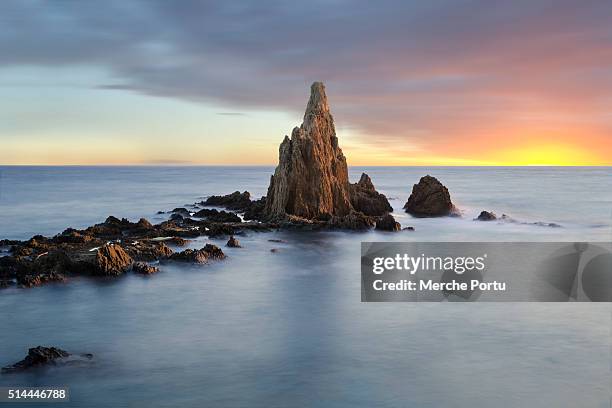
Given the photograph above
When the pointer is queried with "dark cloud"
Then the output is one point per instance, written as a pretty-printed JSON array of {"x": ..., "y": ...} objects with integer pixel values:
[{"x": 394, "y": 69}]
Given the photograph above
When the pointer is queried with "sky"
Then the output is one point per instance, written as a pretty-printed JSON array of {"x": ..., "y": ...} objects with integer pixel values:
[{"x": 437, "y": 82}]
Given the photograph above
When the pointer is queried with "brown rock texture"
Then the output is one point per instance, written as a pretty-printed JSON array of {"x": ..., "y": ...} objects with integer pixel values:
[
  {"x": 311, "y": 178},
  {"x": 388, "y": 223},
  {"x": 429, "y": 198},
  {"x": 366, "y": 199},
  {"x": 112, "y": 260}
]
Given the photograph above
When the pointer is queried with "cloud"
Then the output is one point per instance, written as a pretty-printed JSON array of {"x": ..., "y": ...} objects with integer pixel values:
[{"x": 417, "y": 72}]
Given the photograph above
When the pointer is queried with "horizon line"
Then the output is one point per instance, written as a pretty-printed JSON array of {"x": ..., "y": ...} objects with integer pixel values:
[{"x": 274, "y": 165}]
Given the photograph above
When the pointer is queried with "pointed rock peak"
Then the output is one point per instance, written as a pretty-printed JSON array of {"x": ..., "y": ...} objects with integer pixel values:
[
  {"x": 366, "y": 182},
  {"x": 317, "y": 104}
]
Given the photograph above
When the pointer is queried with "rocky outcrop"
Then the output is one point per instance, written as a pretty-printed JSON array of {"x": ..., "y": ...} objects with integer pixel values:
[
  {"x": 209, "y": 252},
  {"x": 144, "y": 268},
  {"x": 42, "y": 356},
  {"x": 388, "y": 223},
  {"x": 109, "y": 249},
  {"x": 486, "y": 216},
  {"x": 232, "y": 242},
  {"x": 311, "y": 178},
  {"x": 310, "y": 185},
  {"x": 366, "y": 199},
  {"x": 217, "y": 216},
  {"x": 236, "y": 201},
  {"x": 430, "y": 198},
  {"x": 183, "y": 212},
  {"x": 353, "y": 221},
  {"x": 112, "y": 260}
]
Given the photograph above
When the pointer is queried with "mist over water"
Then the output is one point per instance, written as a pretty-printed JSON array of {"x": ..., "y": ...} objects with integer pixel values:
[{"x": 287, "y": 328}]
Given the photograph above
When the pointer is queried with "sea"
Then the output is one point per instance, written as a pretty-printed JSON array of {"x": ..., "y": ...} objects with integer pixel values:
[{"x": 287, "y": 328}]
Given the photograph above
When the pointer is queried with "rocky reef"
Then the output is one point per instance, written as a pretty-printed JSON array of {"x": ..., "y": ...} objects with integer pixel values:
[
  {"x": 113, "y": 248},
  {"x": 430, "y": 198}
]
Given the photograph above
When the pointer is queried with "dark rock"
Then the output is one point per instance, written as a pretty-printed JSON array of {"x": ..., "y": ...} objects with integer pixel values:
[
  {"x": 37, "y": 356},
  {"x": 220, "y": 230},
  {"x": 148, "y": 251},
  {"x": 176, "y": 217},
  {"x": 429, "y": 198},
  {"x": 144, "y": 268},
  {"x": 388, "y": 223},
  {"x": 160, "y": 212},
  {"x": 213, "y": 251},
  {"x": 281, "y": 241},
  {"x": 274, "y": 250},
  {"x": 178, "y": 241},
  {"x": 235, "y": 201},
  {"x": 45, "y": 356},
  {"x": 257, "y": 210},
  {"x": 353, "y": 221},
  {"x": 217, "y": 216},
  {"x": 181, "y": 211},
  {"x": 29, "y": 281},
  {"x": 72, "y": 236},
  {"x": 144, "y": 224},
  {"x": 408, "y": 229},
  {"x": 486, "y": 216},
  {"x": 233, "y": 242},
  {"x": 367, "y": 200},
  {"x": 112, "y": 260},
  {"x": 546, "y": 224},
  {"x": 199, "y": 255}
]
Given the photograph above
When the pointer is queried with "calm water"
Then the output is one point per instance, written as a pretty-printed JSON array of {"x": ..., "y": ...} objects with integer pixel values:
[{"x": 286, "y": 329}]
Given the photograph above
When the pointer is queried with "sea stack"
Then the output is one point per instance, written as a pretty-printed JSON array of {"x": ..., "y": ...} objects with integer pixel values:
[
  {"x": 311, "y": 179},
  {"x": 430, "y": 198}
]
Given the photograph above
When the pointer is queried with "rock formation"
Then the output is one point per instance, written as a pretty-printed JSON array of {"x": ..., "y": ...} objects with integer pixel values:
[
  {"x": 366, "y": 199},
  {"x": 311, "y": 179},
  {"x": 430, "y": 198},
  {"x": 486, "y": 216},
  {"x": 388, "y": 223},
  {"x": 144, "y": 268},
  {"x": 41, "y": 356},
  {"x": 232, "y": 242},
  {"x": 203, "y": 255},
  {"x": 236, "y": 201}
]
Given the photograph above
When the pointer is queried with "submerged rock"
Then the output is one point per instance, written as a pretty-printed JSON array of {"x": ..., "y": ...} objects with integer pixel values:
[
  {"x": 430, "y": 198},
  {"x": 233, "y": 242},
  {"x": 388, "y": 223},
  {"x": 367, "y": 200},
  {"x": 144, "y": 268},
  {"x": 38, "y": 356},
  {"x": 486, "y": 216}
]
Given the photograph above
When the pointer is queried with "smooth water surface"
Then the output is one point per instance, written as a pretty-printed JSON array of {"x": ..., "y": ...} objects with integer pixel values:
[{"x": 287, "y": 328}]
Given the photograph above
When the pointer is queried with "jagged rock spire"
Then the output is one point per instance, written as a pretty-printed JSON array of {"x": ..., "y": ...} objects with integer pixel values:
[{"x": 311, "y": 179}]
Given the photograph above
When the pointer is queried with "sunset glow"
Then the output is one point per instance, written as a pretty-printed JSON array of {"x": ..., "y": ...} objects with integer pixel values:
[{"x": 426, "y": 85}]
